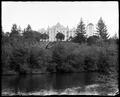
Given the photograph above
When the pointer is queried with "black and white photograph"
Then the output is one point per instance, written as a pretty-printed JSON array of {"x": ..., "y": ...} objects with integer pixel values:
[{"x": 59, "y": 48}]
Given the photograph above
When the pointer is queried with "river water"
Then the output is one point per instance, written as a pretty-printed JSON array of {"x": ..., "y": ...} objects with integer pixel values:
[{"x": 52, "y": 84}]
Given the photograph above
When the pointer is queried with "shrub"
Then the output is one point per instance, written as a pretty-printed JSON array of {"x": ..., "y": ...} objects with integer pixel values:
[
  {"x": 63, "y": 57},
  {"x": 51, "y": 67},
  {"x": 19, "y": 58},
  {"x": 66, "y": 67},
  {"x": 6, "y": 54}
]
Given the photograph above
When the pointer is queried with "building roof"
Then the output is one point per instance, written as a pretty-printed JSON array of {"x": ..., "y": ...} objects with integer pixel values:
[
  {"x": 90, "y": 24},
  {"x": 58, "y": 25},
  {"x": 42, "y": 30}
]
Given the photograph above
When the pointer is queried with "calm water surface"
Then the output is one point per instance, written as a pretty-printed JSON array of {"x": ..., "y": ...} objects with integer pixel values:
[{"x": 44, "y": 84}]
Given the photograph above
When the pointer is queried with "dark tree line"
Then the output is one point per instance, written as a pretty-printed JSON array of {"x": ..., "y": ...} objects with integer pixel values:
[{"x": 100, "y": 37}]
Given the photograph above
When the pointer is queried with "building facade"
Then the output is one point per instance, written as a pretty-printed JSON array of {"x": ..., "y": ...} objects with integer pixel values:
[
  {"x": 52, "y": 31},
  {"x": 90, "y": 30},
  {"x": 56, "y": 29}
]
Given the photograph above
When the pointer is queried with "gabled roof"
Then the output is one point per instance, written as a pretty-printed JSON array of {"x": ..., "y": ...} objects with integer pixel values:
[{"x": 58, "y": 25}]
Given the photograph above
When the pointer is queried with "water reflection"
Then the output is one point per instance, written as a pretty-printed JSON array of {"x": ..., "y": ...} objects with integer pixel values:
[{"x": 57, "y": 82}]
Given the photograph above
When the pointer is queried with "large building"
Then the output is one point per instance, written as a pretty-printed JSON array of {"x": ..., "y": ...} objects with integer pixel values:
[
  {"x": 52, "y": 31},
  {"x": 55, "y": 29}
]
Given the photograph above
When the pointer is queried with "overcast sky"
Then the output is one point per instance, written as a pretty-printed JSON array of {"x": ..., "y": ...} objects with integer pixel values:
[{"x": 43, "y": 14}]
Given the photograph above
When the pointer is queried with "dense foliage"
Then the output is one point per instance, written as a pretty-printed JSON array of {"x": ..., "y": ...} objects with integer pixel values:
[
  {"x": 60, "y": 36},
  {"x": 26, "y": 54},
  {"x": 63, "y": 57}
]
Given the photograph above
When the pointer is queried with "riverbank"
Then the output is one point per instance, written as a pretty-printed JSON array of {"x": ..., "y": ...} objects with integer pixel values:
[
  {"x": 11, "y": 72},
  {"x": 109, "y": 82},
  {"x": 35, "y": 72}
]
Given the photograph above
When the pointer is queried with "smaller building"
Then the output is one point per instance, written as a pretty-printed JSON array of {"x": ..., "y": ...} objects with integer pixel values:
[{"x": 90, "y": 30}]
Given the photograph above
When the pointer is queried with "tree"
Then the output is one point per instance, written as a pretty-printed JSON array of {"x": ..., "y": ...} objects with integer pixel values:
[
  {"x": 14, "y": 32},
  {"x": 58, "y": 56},
  {"x": 114, "y": 39},
  {"x": 5, "y": 37},
  {"x": 14, "y": 36},
  {"x": 60, "y": 36},
  {"x": 28, "y": 28},
  {"x": 37, "y": 36},
  {"x": 28, "y": 34},
  {"x": 80, "y": 33},
  {"x": 44, "y": 36},
  {"x": 115, "y": 36},
  {"x": 102, "y": 30},
  {"x": 92, "y": 39}
]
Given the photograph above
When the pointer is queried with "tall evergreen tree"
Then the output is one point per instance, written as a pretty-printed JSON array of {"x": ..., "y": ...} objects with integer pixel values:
[
  {"x": 80, "y": 33},
  {"x": 14, "y": 36},
  {"x": 81, "y": 27},
  {"x": 102, "y": 30},
  {"x": 27, "y": 33},
  {"x": 28, "y": 28},
  {"x": 14, "y": 31}
]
